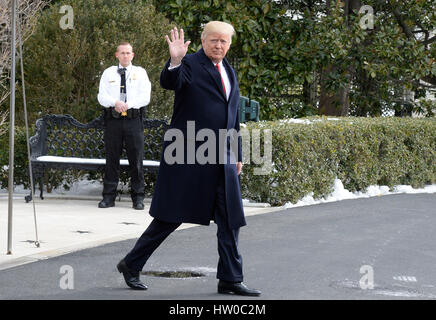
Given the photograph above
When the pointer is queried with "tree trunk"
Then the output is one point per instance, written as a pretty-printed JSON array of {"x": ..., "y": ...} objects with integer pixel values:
[
  {"x": 310, "y": 91},
  {"x": 333, "y": 103},
  {"x": 337, "y": 103}
]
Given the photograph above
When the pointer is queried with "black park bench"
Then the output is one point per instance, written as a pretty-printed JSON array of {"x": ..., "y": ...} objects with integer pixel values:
[{"x": 61, "y": 142}]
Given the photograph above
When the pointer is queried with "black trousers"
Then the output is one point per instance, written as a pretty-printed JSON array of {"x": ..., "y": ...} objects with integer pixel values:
[
  {"x": 128, "y": 132},
  {"x": 230, "y": 261}
]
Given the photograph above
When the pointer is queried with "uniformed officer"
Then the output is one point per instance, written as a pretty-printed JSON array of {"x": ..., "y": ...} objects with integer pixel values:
[{"x": 124, "y": 92}]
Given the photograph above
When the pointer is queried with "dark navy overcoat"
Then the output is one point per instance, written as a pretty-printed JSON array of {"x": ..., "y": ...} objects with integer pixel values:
[{"x": 185, "y": 191}]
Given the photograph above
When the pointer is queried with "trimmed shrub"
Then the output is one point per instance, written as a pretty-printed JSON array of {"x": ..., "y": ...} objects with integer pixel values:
[{"x": 307, "y": 157}]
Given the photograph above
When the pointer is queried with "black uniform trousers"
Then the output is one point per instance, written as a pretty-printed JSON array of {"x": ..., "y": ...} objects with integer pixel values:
[
  {"x": 230, "y": 261},
  {"x": 128, "y": 132}
]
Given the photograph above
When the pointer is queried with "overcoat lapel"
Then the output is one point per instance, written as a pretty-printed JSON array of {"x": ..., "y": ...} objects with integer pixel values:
[
  {"x": 232, "y": 77},
  {"x": 212, "y": 70}
]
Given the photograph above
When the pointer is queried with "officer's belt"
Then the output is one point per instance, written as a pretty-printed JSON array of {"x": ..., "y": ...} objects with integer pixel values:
[{"x": 131, "y": 113}]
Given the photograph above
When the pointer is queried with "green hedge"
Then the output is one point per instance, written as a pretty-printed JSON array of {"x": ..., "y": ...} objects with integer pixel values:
[{"x": 307, "y": 157}]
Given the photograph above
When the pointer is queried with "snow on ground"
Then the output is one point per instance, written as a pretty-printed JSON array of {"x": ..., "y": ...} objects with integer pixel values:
[
  {"x": 306, "y": 121},
  {"x": 94, "y": 188},
  {"x": 83, "y": 187},
  {"x": 340, "y": 193}
]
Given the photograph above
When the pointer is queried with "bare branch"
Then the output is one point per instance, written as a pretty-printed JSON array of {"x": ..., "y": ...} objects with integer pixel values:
[
  {"x": 431, "y": 40},
  {"x": 401, "y": 22},
  {"x": 3, "y": 122},
  {"x": 430, "y": 79},
  {"x": 27, "y": 12}
]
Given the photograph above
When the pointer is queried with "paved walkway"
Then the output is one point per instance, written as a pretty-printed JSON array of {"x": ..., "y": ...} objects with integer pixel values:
[{"x": 66, "y": 224}]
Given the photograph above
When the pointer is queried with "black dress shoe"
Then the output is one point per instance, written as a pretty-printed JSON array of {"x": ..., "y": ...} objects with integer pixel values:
[
  {"x": 106, "y": 203},
  {"x": 131, "y": 277},
  {"x": 138, "y": 204},
  {"x": 238, "y": 288}
]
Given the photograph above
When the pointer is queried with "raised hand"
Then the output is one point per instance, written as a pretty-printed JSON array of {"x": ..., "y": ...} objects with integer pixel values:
[{"x": 177, "y": 46}]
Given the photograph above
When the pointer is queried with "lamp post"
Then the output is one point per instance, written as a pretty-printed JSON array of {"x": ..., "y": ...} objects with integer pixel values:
[{"x": 11, "y": 126}]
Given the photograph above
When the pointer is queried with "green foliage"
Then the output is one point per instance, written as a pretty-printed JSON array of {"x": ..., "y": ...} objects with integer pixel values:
[
  {"x": 283, "y": 49},
  {"x": 382, "y": 63},
  {"x": 20, "y": 160},
  {"x": 359, "y": 151},
  {"x": 260, "y": 50},
  {"x": 284, "y": 53},
  {"x": 63, "y": 67}
]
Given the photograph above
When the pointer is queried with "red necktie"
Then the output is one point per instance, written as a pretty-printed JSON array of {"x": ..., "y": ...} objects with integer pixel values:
[{"x": 222, "y": 80}]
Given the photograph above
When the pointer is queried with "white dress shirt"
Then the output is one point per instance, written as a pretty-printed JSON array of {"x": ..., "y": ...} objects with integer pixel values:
[
  {"x": 225, "y": 78},
  {"x": 138, "y": 87}
]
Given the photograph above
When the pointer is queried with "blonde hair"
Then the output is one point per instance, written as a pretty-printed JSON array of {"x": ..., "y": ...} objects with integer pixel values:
[{"x": 218, "y": 27}]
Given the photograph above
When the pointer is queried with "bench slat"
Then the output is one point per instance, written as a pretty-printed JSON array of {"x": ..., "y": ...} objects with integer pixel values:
[{"x": 74, "y": 160}]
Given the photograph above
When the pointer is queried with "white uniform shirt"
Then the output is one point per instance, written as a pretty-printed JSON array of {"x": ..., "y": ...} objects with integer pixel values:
[{"x": 138, "y": 87}]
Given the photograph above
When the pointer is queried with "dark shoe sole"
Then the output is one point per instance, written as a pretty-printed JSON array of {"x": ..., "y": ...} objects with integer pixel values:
[
  {"x": 138, "y": 204},
  {"x": 108, "y": 206},
  {"x": 227, "y": 291}
]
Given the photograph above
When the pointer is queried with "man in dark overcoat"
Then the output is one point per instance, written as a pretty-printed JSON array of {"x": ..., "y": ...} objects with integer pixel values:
[{"x": 201, "y": 159}]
